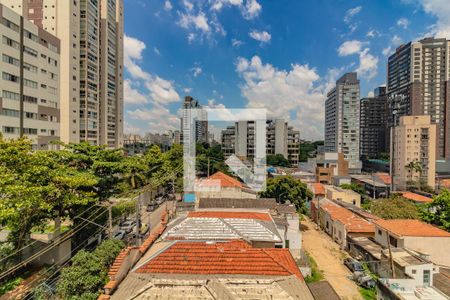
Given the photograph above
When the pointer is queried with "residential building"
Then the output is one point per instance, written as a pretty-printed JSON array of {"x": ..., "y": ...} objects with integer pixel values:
[
  {"x": 418, "y": 84},
  {"x": 414, "y": 141},
  {"x": 342, "y": 124},
  {"x": 192, "y": 109},
  {"x": 425, "y": 239},
  {"x": 135, "y": 144},
  {"x": 91, "y": 79},
  {"x": 239, "y": 271},
  {"x": 220, "y": 185},
  {"x": 327, "y": 165},
  {"x": 341, "y": 223},
  {"x": 404, "y": 289},
  {"x": 376, "y": 185},
  {"x": 280, "y": 139},
  {"x": 340, "y": 194},
  {"x": 373, "y": 126},
  {"x": 30, "y": 94}
]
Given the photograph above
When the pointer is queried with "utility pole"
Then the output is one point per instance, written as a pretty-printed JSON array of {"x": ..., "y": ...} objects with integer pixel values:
[
  {"x": 208, "y": 166},
  {"x": 138, "y": 220},
  {"x": 110, "y": 221},
  {"x": 390, "y": 254}
]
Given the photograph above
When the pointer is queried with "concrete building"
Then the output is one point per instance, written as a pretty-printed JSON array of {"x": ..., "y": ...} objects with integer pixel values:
[
  {"x": 414, "y": 140},
  {"x": 280, "y": 139},
  {"x": 91, "y": 85},
  {"x": 326, "y": 166},
  {"x": 342, "y": 124},
  {"x": 220, "y": 185},
  {"x": 335, "y": 193},
  {"x": 373, "y": 117},
  {"x": 425, "y": 239},
  {"x": 29, "y": 88},
  {"x": 200, "y": 133},
  {"x": 418, "y": 84}
]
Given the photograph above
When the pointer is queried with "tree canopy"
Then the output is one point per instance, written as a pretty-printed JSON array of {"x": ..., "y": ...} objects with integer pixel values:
[
  {"x": 287, "y": 188},
  {"x": 438, "y": 211},
  {"x": 396, "y": 207},
  {"x": 277, "y": 160}
]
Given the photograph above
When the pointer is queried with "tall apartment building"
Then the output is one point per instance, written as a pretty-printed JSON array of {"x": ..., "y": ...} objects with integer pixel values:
[
  {"x": 373, "y": 127},
  {"x": 200, "y": 133},
  {"x": 418, "y": 83},
  {"x": 414, "y": 140},
  {"x": 342, "y": 113},
  {"x": 91, "y": 34},
  {"x": 280, "y": 139},
  {"x": 29, "y": 86}
]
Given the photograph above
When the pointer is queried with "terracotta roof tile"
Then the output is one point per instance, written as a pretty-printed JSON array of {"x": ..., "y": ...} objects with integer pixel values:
[
  {"x": 235, "y": 257},
  {"x": 401, "y": 227},
  {"x": 416, "y": 197},
  {"x": 353, "y": 222},
  {"x": 225, "y": 180},
  {"x": 229, "y": 215},
  {"x": 385, "y": 177},
  {"x": 319, "y": 189}
]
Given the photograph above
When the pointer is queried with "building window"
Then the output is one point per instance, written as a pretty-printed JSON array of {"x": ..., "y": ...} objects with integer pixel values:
[{"x": 10, "y": 77}]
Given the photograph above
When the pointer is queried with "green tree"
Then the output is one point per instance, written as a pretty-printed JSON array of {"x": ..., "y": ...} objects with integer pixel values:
[
  {"x": 287, "y": 188},
  {"x": 277, "y": 160},
  {"x": 354, "y": 187},
  {"x": 88, "y": 271},
  {"x": 307, "y": 148},
  {"x": 438, "y": 211},
  {"x": 396, "y": 207},
  {"x": 413, "y": 167}
]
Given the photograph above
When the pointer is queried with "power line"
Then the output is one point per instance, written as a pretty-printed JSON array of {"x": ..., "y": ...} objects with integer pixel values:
[{"x": 55, "y": 243}]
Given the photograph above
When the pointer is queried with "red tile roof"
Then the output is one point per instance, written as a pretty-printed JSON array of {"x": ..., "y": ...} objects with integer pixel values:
[
  {"x": 235, "y": 257},
  {"x": 225, "y": 180},
  {"x": 411, "y": 228},
  {"x": 353, "y": 222},
  {"x": 319, "y": 189},
  {"x": 416, "y": 197},
  {"x": 230, "y": 215},
  {"x": 385, "y": 177}
]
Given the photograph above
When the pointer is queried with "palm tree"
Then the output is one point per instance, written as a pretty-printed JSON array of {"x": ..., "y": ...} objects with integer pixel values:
[{"x": 414, "y": 167}]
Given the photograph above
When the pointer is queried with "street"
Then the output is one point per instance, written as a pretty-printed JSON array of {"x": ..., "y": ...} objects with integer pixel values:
[{"x": 329, "y": 258}]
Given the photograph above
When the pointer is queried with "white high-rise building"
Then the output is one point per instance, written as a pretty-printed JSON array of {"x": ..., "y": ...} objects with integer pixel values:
[
  {"x": 342, "y": 118},
  {"x": 29, "y": 83},
  {"x": 91, "y": 85}
]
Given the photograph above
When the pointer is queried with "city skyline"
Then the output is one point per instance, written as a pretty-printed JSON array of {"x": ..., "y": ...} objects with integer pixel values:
[{"x": 223, "y": 52}]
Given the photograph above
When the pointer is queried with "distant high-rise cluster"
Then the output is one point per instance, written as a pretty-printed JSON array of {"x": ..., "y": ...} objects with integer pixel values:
[{"x": 90, "y": 66}]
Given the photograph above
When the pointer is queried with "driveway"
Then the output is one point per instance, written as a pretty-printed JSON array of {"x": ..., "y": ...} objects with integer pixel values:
[{"x": 329, "y": 258}]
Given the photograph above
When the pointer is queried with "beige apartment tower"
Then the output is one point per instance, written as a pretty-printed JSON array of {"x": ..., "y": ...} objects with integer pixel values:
[
  {"x": 414, "y": 140},
  {"x": 29, "y": 86},
  {"x": 91, "y": 34}
]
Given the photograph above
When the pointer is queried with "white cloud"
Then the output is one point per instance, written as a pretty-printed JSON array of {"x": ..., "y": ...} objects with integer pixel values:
[
  {"x": 441, "y": 10},
  {"x": 156, "y": 119},
  {"x": 351, "y": 13},
  {"x": 168, "y": 5},
  {"x": 188, "y": 5},
  {"x": 296, "y": 95},
  {"x": 251, "y": 10},
  {"x": 370, "y": 94},
  {"x": 261, "y": 36},
  {"x": 157, "y": 51},
  {"x": 132, "y": 95},
  {"x": 349, "y": 48},
  {"x": 191, "y": 37},
  {"x": 196, "y": 71},
  {"x": 395, "y": 42},
  {"x": 403, "y": 22},
  {"x": 236, "y": 43},
  {"x": 199, "y": 22},
  {"x": 187, "y": 90},
  {"x": 368, "y": 64},
  {"x": 372, "y": 33},
  {"x": 146, "y": 89}
]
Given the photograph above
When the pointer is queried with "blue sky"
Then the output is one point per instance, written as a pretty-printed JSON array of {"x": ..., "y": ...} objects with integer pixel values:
[{"x": 283, "y": 55}]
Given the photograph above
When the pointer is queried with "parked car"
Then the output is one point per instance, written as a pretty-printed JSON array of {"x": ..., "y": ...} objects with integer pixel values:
[
  {"x": 127, "y": 226},
  {"x": 151, "y": 207},
  {"x": 353, "y": 265},
  {"x": 159, "y": 200},
  {"x": 119, "y": 235},
  {"x": 366, "y": 281}
]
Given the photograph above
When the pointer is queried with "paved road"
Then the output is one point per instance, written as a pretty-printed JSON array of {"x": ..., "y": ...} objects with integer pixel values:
[
  {"x": 153, "y": 218},
  {"x": 329, "y": 258}
]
